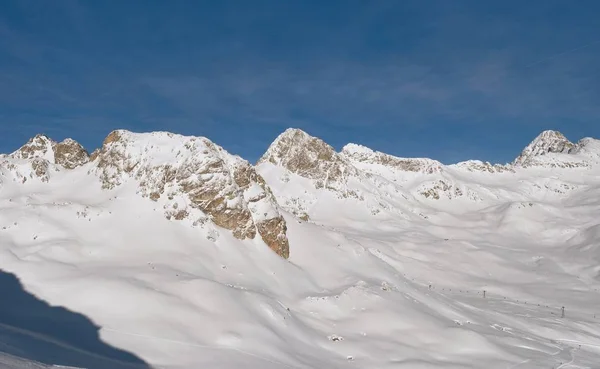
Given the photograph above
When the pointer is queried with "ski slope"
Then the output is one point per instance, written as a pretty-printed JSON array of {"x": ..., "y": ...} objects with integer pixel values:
[{"x": 385, "y": 277}]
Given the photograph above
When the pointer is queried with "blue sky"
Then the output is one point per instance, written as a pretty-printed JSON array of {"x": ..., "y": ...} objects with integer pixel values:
[{"x": 451, "y": 80}]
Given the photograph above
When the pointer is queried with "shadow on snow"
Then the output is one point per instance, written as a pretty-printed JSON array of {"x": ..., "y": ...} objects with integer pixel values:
[{"x": 33, "y": 330}]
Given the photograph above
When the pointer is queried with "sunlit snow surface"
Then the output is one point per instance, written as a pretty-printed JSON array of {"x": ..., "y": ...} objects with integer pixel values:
[{"x": 401, "y": 287}]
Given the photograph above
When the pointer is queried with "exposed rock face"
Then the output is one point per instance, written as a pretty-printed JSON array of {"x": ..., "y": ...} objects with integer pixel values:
[
  {"x": 311, "y": 158},
  {"x": 44, "y": 153},
  {"x": 443, "y": 188},
  {"x": 190, "y": 174},
  {"x": 480, "y": 166},
  {"x": 273, "y": 232},
  {"x": 40, "y": 168},
  {"x": 365, "y": 155},
  {"x": 39, "y": 146},
  {"x": 70, "y": 154},
  {"x": 546, "y": 142},
  {"x": 433, "y": 190}
]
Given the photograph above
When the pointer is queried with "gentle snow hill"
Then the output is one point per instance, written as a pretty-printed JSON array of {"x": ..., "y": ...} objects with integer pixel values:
[{"x": 173, "y": 247}]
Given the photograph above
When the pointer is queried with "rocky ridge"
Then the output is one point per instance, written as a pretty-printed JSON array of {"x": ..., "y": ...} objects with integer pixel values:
[
  {"x": 41, "y": 156},
  {"x": 549, "y": 142},
  {"x": 386, "y": 176},
  {"x": 68, "y": 153},
  {"x": 312, "y": 158},
  {"x": 197, "y": 181},
  {"x": 362, "y": 154},
  {"x": 194, "y": 179}
]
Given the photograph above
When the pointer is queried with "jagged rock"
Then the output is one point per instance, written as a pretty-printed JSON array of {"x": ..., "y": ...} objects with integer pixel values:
[
  {"x": 40, "y": 168},
  {"x": 40, "y": 146},
  {"x": 70, "y": 154},
  {"x": 312, "y": 158},
  {"x": 435, "y": 189},
  {"x": 221, "y": 186},
  {"x": 547, "y": 142},
  {"x": 273, "y": 232}
]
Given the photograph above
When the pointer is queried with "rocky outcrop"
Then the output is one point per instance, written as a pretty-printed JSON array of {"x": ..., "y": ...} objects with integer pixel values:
[
  {"x": 546, "y": 143},
  {"x": 45, "y": 155},
  {"x": 273, "y": 232},
  {"x": 481, "y": 166},
  {"x": 194, "y": 179},
  {"x": 363, "y": 154},
  {"x": 70, "y": 154},
  {"x": 40, "y": 146},
  {"x": 312, "y": 158},
  {"x": 40, "y": 168}
]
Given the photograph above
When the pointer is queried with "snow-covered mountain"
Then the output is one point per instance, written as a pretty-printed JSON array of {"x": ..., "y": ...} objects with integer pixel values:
[{"x": 187, "y": 256}]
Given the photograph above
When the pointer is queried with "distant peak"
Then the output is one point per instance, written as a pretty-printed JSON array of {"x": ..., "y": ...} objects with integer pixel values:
[
  {"x": 293, "y": 142},
  {"x": 39, "y": 146},
  {"x": 68, "y": 153},
  {"x": 292, "y": 135},
  {"x": 546, "y": 142},
  {"x": 551, "y": 135},
  {"x": 40, "y": 137}
]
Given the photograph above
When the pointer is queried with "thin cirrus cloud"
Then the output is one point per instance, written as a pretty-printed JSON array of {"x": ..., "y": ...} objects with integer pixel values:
[
  {"x": 407, "y": 78},
  {"x": 357, "y": 94}
]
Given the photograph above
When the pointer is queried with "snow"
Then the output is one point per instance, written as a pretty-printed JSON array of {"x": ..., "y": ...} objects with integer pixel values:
[{"x": 388, "y": 278}]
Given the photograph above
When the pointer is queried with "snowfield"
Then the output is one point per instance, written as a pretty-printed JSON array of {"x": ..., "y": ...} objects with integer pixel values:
[{"x": 395, "y": 263}]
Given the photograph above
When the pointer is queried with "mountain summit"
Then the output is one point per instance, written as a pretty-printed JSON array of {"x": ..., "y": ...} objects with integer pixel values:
[
  {"x": 546, "y": 142},
  {"x": 68, "y": 153},
  {"x": 308, "y": 157}
]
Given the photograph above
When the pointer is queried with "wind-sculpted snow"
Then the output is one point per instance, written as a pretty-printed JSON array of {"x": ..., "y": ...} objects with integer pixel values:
[{"x": 394, "y": 262}]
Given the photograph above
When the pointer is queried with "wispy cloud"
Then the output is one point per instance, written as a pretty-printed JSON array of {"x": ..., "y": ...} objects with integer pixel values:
[{"x": 341, "y": 69}]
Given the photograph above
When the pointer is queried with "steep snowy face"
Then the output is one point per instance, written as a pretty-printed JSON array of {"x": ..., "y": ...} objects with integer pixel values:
[
  {"x": 362, "y": 154},
  {"x": 548, "y": 142},
  {"x": 311, "y": 158},
  {"x": 194, "y": 180},
  {"x": 588, "y": 147}
]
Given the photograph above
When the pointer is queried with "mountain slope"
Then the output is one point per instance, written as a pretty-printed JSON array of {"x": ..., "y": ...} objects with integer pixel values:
[{"x": 389, "y": 258}]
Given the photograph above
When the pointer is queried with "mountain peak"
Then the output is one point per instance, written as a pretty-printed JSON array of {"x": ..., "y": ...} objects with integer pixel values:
[
  {"x": 68, "y": 153},
  {"x": 39, "y": 146},
  {"x": 546, "y": 142},
  {"x": 310, "y": 157},
  {"x": 298, "y": 149}
]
